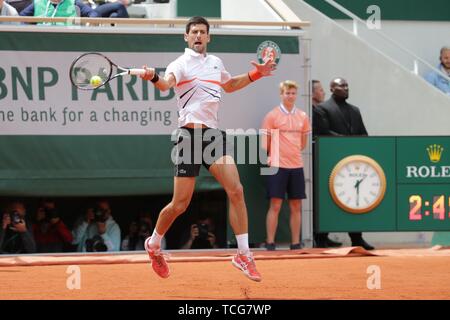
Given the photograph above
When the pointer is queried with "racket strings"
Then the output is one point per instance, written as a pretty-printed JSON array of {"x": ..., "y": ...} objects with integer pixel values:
[{"x": 90, "y": 71}]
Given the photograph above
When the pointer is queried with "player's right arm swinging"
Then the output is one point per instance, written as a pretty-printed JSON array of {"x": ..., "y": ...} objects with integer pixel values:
[{"x": 161, "y": 83}]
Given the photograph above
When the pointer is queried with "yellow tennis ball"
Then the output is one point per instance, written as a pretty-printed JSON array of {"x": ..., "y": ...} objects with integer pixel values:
[{"x": 96, "y": 81}]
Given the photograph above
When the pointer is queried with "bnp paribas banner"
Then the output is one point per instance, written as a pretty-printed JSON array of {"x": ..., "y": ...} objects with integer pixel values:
[{"x": 37, "y": 98}]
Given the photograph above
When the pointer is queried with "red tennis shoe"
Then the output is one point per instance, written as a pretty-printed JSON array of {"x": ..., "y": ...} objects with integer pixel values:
[
  {"x": 157, "y": 259},
  {"x": 246, "y": 264}
]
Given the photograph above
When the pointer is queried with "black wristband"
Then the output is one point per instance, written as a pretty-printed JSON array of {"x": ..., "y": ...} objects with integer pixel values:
[
  {"x": 155, "y": 78},
  {"x": 248, "y": 74}
]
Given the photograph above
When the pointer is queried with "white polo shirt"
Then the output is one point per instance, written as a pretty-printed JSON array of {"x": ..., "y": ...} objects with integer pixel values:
[{"x": 198, "y": 87}]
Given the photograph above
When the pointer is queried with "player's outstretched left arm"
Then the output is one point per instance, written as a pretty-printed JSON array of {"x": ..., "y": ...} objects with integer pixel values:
[{"x": 261, "y": 70}]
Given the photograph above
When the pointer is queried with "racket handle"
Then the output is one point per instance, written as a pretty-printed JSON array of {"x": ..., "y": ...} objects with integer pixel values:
[{"x": 137, "y": 72}]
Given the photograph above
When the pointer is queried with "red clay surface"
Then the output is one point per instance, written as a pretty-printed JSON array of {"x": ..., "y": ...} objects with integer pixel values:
[{"x": 406, "y": 276}]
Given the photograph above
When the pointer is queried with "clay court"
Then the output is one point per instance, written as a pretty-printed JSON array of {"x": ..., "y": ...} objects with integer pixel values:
[{"x": 302, "y": 274}]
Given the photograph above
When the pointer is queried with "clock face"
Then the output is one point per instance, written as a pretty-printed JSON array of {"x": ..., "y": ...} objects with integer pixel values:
[{"x": 357, "y": 184}]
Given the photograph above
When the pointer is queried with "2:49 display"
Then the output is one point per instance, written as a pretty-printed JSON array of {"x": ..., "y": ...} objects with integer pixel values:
[{"x": 438, "y": 207}]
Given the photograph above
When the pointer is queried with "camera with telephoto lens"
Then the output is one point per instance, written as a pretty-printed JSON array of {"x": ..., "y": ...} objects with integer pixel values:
[
  {"x": 203, "y": 231},
  {"x": 15, "y": 217},
  {"x": 96, "y": 244}
]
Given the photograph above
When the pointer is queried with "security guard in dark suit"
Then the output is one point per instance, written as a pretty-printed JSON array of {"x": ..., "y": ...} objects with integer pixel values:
[{"x": 339, "y": 118}]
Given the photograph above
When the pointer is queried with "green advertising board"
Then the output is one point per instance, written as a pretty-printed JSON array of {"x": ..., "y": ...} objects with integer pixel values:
[{"x": 382, "y": 184}]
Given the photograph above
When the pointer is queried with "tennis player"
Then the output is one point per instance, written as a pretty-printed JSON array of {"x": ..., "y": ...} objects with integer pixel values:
[{"x": 198, "y": 78}]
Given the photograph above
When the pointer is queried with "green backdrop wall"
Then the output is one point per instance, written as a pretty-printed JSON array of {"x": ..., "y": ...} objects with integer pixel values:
[{"x": 206, "y": 8}]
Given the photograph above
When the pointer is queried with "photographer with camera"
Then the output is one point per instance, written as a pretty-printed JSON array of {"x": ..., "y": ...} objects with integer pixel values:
[
  {"x": 201, "y": 235},
  {"x": 97, "y": 231},
  {"x": 50, "y": 232},
  {"x": 15, "y": 237}
]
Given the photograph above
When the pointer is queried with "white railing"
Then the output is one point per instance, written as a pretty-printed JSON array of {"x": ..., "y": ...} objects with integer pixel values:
[{"x": 150, "y": 22}]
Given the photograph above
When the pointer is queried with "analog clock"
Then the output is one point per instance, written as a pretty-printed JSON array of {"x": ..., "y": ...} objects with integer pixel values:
[{"x": 357, "y": 184}]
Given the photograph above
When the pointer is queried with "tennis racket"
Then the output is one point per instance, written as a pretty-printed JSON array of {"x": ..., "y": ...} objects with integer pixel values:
[{"x": 93, "y": 70}]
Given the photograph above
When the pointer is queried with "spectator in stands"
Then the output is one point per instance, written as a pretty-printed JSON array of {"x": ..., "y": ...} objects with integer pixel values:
[
  {"x": 286, "y": 130},
  {"x": 15, "y": 235},
  {"x": 200, "y": 235},
  {"x": 7, "y": 10},
  {"x": 438, "y": 80},
  {"x": 19, "y": 5},
  {"x": 59, "y": 8},
  {"x": 97, "y": 231},
  {"x": 113, "y": 9},
  {"x": 321, "y": 240},
  {"x": 342, "y": 119},
  {"x": 50, "y": 232}
]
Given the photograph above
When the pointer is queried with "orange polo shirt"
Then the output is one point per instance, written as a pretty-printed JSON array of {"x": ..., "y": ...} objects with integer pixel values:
[{"x": 285, "y": 130}]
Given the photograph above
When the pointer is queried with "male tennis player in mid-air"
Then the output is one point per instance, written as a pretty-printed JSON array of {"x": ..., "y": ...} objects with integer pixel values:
[{"x": 198, "y": 79}]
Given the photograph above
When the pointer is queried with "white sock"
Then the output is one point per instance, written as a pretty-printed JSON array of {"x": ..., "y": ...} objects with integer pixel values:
[
  {"x": 242, "y": 241},
  {"x": 155, "y": 239}
]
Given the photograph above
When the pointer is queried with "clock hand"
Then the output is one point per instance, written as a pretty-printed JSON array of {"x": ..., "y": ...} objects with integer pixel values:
[
  {"x": 358, "y": 182},
  {"x": 357, "y": 196}
]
